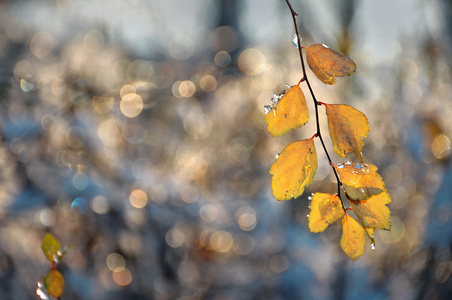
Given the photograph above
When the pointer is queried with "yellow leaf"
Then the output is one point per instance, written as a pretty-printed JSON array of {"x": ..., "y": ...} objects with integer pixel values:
[
  {"x": 289, "y": 113},
  {"x": 348, "y": 127},
  {"x": 325, "y": 210},
  {"x": 294, "y": 169},
  {"x": 370, "y": 234},
  {"x": 54, "y": 283},
  {"x": 50, "y": 247},
  {"x": 327, "y": 63},
  {"x": 360, "y": 181},
  {"x": 353, "y": 237},
  {"x": 373, "y": 212}
]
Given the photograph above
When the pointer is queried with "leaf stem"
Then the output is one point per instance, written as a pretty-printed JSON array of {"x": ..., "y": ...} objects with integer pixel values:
[{"x": 316, "y": 103}]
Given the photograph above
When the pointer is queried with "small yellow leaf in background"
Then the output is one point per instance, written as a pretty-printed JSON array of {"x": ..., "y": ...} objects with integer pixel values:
[
  {"x": 325, "y": 210},
  {"x": 50, "y": 247},
  {"x": 348, "y": 127},
  {"x": 290, "y": 112},
  {"x": 373, "y": 212},
  {"x": 327, "y": 63},
  {"x": 360, "y": 181},
  {"x": 294, "y": 169},
  {"x": 353, "y": 237},
  {"x": 54, "y": 283}
]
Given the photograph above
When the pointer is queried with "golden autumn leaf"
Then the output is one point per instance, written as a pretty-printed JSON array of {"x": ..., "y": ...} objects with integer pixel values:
[
  {"x": 290, "y": 112},
  {"x": 370, "y": 233},
  {"x": 325, "y": 210},
  {"x": 360, "y": 181},
  {"x": 327, "y": 63},
  {"x": 294, "y": 169},
  {"x": 54, "y": 283},
  {"x": 348, "y": 127},
  {"x": 373, "y": 212},
  {"x": 353, "y": 237},
  {"x": 50, "y": 246}
]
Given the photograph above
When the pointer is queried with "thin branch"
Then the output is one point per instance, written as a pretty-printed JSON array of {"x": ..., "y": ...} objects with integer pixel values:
[
  {"x": 316, "y": 103},
  {"x": 294, "y": 14}
]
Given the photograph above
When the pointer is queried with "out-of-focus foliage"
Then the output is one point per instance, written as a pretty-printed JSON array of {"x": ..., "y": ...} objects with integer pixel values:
[
  {"x": 53, "y": 282},
  {"x": 50, "y": 246},
  {"x": 294, "y": 171}
]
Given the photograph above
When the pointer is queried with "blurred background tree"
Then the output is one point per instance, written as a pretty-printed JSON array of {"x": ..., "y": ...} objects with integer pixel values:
[{"x": 135, "y": 131}]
